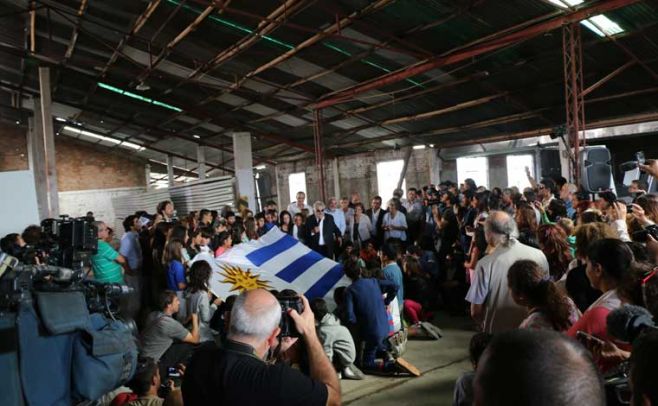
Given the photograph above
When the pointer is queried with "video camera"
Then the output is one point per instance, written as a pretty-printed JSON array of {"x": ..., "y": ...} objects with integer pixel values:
[
  {"x": 18, "y": 282},
  {"x": 62, "y": 325},
  {"x": 287, "y": 324},
  {"x": 65, "y": 242}
]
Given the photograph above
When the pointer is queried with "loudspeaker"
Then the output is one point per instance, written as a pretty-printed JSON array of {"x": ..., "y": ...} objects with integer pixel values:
[
  {"x": 595, "y": 169},
  {"x": 550, "y": 164}
]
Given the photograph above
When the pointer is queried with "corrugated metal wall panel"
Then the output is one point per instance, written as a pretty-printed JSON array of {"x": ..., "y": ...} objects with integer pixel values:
[{"x": 212, "y": 194}]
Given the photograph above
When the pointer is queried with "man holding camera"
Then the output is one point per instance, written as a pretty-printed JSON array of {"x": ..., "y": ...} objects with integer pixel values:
[{"x": 239, "y": 372}]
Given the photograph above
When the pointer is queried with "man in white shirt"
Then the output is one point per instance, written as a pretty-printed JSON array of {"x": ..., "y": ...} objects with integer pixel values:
[
  {"x": 376, "y": 215},
  {"x": 489, "y": 295},
  {"x": 321, "y": 231},
  {"x": 348, "y": 212},
  {"x": 298, "y": 205},
  {"x": 337, "y": 214}
]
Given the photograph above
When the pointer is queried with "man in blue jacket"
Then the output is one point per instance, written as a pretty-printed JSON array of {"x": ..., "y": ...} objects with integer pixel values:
[{"x": 366, "y": 312}]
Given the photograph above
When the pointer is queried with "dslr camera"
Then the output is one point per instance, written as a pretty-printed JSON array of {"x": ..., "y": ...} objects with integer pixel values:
[{"x": 287, "y": 324}]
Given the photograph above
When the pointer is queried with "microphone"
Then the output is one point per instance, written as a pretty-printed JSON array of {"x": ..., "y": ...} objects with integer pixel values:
[{"x": 628, "y": 322}]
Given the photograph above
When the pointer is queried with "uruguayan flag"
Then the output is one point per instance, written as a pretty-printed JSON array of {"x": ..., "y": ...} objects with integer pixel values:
[{"x": 275, "y": 261}]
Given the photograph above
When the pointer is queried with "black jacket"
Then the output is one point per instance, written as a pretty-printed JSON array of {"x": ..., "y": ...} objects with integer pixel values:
[{"x": 329, "y": 232}]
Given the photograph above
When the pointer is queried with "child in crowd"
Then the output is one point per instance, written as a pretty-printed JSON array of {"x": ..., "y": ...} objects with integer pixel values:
[
  {"x": 463, "y": 393},
  {"x": 418, "y": 287},
  {"x": 336, "y": 341},
  {"x": 176, "y": 280},
  {"x": 225, "y": 242}
]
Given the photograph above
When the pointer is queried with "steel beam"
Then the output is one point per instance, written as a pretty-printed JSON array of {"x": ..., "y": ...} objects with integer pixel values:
[
  {"x": 573, "y": 95},
  {"x": 607, "y": 77},
  {"x": 494, "y": 42},
  {"x": 617, "y": 121}
]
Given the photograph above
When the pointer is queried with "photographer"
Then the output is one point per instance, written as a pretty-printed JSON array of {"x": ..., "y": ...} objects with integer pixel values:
[
  {"x": 145, "y": 385},
  {"x": 239, "y": 372},
  {"x": 643, "y": 370}
]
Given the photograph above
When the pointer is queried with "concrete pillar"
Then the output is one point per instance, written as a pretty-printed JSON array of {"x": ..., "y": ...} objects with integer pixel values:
[
  {"x": 334, "y": 166},
  {"x": 435, "y": 163},
  {"x": 244, "y": 171},
  {"x": 201, "y": 160},
  {"x": 41, "y": 150},
  {"x": 538, "y": 168},
  {"x": 147, "y": 176},
  {"x": 278, "y": 189},
  {"x": 170, "y": 170}
]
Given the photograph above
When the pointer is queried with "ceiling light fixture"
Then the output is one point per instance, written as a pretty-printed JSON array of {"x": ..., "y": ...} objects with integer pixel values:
[
  {"x": 138, "y": 97},
  {"x": 196, "y": 136},
  {"x": 259, "y": 167},
  {"x": 142, "y": 87},
  {"x": 101, "y": 137},
  {"x": 419, "y": 147}
]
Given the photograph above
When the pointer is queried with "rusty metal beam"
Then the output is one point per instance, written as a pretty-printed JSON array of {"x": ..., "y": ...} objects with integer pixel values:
[
  {"x": 490, "y": 122},
  {"x": 607, "y": 77},
  {"x": 137, "y": 26},
  {"x": 574, "y": 102},
  {"x": 634, "y": 119},
  {"x": 76, "y": 31},
  {"x": 372, "y": 7},
  {"x": 33, "y": 29},
  {"x": 273, "y": 21},
  {"x": 168, "y": 48},
  {"x": 494, "y": 42},
  {"x": 407, "y": 47},
  {"x": 445, "y": 110}
]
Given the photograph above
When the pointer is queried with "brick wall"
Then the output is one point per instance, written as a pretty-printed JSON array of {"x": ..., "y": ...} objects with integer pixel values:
[
  {"x": 80, "y": 165},
  {"x": 13, "y": 148}
]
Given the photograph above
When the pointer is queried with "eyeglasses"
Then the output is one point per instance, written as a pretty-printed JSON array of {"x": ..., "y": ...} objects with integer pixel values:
[{"x": 644, "y": 283}]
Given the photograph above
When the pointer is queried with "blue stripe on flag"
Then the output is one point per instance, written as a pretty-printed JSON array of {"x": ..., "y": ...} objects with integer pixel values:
[
  {"x": 325, "y": 283},
  {"x": 299, "y": 266},
  {"x": 264, "y": 254}
]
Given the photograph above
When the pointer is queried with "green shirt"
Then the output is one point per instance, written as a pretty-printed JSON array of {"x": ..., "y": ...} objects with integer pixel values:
[{"x": 104, "y": 266}]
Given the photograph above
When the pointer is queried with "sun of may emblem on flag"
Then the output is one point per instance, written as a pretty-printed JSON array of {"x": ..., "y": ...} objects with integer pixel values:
[{"x": 241, "y": 280}]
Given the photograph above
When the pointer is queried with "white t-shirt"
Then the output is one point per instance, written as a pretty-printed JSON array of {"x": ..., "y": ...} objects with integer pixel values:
[{"x": 294, "y": 209}]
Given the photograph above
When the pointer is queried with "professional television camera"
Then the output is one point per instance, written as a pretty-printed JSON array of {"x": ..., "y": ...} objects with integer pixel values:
[
  {"x": 61, "y": 324},
  {"x": 70, "y": 241}
]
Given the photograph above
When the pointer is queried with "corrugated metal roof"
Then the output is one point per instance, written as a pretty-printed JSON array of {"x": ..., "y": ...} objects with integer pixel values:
[{"x": 276, "y": 103}]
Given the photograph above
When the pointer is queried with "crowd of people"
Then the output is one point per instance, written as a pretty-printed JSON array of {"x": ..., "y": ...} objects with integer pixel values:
[{"x": 538, "y": 270}]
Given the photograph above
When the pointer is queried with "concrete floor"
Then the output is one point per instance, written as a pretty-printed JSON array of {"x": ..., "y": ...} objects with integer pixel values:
[{"x": 441, "y": 363}]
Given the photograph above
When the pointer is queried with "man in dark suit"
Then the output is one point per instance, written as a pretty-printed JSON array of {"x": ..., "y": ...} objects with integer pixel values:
[
  {"x": 376, "y": 215},
  {"x": 321, "y": 231}
]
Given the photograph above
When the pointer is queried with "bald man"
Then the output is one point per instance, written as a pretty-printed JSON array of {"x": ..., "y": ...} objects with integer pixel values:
[
  {"x": 238, "y": 374},
  {"x": 539, "y": 368}
]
